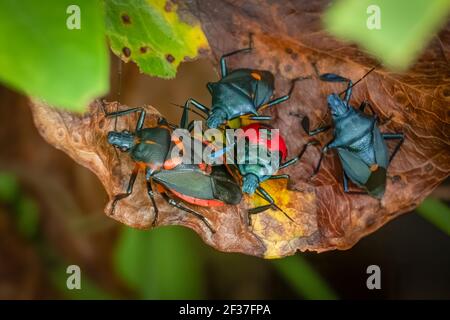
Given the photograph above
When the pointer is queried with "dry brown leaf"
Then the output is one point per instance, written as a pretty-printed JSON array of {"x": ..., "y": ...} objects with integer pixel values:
[{"x": 287, "y": 39}]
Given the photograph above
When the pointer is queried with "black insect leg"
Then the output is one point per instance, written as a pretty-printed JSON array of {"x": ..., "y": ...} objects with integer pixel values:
[
  {"x": 279, "y": 176},
  {"x": 129, "y": 191},
  {"x": 178, "y": 205},
  {"x": 152, "y": 198},
  {"x": 140, "y": 122},
  {"x": 364, "y": 104},
  {"x": 260, "y": 118},
  {"x": 331, "y": 77},
  {"x": 285, "y": 97},
  {"x": 184, "y": 122},
  {"x": 223, "y": 62},
  {"x": 266, "y": 196},
  {"x": 306, "y": 127},
  {"x": 297, "y": 158},
  {"x": 394, "y": 136},
  {"x": 322, "y": 153},
  {"x": 345, "y": 185}
]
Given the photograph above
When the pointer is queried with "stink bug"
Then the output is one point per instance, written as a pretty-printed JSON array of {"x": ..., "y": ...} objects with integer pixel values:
[
  {"x": 359, "y": 143},
  {"x": 240, "y": 92},
  {"x": 177, "y": 182},
  {"x": 263, "y": 140}
]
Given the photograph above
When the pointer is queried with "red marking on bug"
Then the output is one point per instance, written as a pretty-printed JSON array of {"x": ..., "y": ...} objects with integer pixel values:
[
  {"x": 278, "y": 145},
  {"x": 197, "y": 201}
]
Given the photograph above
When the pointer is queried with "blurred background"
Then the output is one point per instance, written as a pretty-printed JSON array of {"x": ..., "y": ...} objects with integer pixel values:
[{"x": 51, "y": 216}]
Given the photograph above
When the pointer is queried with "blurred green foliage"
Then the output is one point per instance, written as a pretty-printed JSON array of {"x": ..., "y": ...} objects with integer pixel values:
[
  {"x": 405, "y": 26},
  {"x": 151, "y": 34},
  {"x": 9, "y": 187},
  {"x": 26, "y": 210},
  {"x": 304, "y": 279},
  {"x": 437, "y": 212},
  {"x": 163, "y": 263},
  {"x": 41, "y": 57},
  {"x": 168, "y": 262},
  {"x": 26, "y": 216}
]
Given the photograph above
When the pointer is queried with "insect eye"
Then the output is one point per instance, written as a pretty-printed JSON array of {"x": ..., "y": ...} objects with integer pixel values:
[
  {"x": 123, "y": 149},
  {"x": 125, "y": 131}
]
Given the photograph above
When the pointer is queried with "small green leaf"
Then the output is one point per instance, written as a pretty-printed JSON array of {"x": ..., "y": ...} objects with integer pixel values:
[
  {"x": 151, "y": 33},
  {"x": 304, "y": 279},
  {"x": 394, "y": 30},
  {"x": 42, "y": 57},
  {"x": 437, "y": 212},
  {"x": 161, "y": 264}
]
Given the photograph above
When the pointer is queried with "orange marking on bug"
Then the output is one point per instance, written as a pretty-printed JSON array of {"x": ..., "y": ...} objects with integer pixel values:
[
  {"x": 140, "y": 165},
  {"x": 152, "y": 166},
  {"x": 163, "y": 126},
  {"x": 205, "y": 167},
  {"x": 374, "y": 167},
  {"x": 256, "y": 75},
  {"x": 171, "y": 163}
]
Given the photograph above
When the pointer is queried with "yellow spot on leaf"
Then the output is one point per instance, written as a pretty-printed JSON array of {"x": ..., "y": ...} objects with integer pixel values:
[{"x": 276, "y": 230}]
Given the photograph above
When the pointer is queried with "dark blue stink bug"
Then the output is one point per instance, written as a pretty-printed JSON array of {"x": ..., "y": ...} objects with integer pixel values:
[
  {"x": 151, "y": 150},
  {"x": 359, "y": 143},
  {"x": 240, "y": 92}
]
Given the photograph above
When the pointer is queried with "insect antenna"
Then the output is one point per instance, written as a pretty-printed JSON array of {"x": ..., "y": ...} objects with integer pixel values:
[
  {"x": 365, "y": 75},
  {"x": 119, "y": 87}
]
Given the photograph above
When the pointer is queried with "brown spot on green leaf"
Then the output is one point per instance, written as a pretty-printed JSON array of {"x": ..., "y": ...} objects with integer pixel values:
[
  {"x": 126, "y": 19},
  {"x": 126, "y": 52},
  {"x": 170, "y": 58}
]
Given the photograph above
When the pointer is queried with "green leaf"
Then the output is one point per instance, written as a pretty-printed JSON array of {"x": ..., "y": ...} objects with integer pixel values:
[
  {"x": 405, "y": 26},
  {"x": 304, "y": 279},
  {"x": 9, "y": 187},
  {"x": 27, "y": 217},
  {"x": 41, "y": 57},
  {"x": 151, "y": 33},
  {"x": 437, "y": 212},
  {"x": 161, "y": 264}
]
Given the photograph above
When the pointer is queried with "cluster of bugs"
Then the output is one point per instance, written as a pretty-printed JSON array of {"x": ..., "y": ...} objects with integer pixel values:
[{"x": 238, "y": 97}]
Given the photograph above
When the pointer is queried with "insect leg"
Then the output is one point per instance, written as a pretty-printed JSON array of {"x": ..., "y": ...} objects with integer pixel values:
[
  {"x": 152, "y": 198},
  {"x": 332, "y": 77},
  {"x": 285, "y": 97},
  {"x": 322, "y": 153},
  {"x": 306, "y": 127},
  {"x": 280, "y": 176},
  {"x": 185, "y": 117},
  {"x": 178, "y": 205},
  {"x": 365, "y": 104},
  {"x": 266, "y": 196},
  {"x": 345, "y": 185},
  {"x": 129, "y": 190},
  {"x": 345, "y": 181},
  {"x": 260, "y": 118},
  {"x": 223, "y": 62},
  {"x": 140, "y": 121},
  {"x": 394, "y": 136},
  {"x": 300, "y": 155}
]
